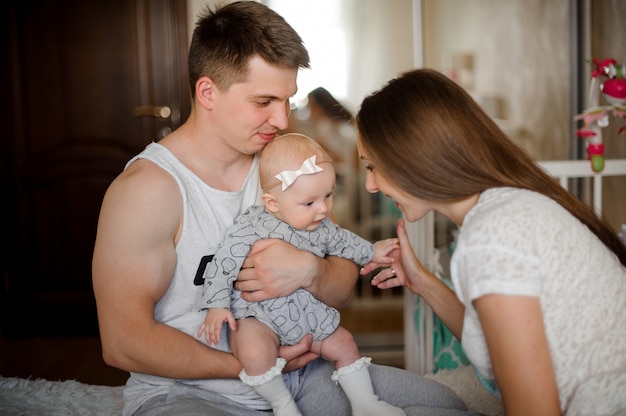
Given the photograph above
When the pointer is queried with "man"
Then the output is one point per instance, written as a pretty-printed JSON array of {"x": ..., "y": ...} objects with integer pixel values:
[{"x": 163, "y": 217}]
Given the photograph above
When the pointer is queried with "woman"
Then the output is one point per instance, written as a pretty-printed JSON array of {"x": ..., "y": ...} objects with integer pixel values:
[{"x": 540, "y": 280}]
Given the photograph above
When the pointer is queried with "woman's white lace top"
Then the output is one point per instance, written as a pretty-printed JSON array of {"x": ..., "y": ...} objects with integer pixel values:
[{"x": 518, "y": 242}]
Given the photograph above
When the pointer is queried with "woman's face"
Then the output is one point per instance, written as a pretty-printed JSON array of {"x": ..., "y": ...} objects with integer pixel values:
[{"x": 413, "y": 208}]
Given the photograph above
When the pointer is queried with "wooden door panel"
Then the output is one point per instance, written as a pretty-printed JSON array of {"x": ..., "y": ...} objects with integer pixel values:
[{"x": 78, "y": 70}]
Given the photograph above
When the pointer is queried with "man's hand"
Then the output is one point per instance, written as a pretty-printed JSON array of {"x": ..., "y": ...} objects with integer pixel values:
[
  {"x": 298, "y": 355},
  {"x": 275, "y": 268}
]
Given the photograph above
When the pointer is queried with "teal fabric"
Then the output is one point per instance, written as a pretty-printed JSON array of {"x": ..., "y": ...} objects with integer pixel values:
[{"x": 447, "y": 350}]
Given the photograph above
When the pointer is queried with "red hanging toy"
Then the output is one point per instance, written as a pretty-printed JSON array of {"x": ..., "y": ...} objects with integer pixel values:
[{"x": 597, "y": 117}]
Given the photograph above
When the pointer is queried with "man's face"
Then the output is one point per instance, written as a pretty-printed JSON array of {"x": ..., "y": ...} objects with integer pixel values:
[{"x": 250, "y": 112}]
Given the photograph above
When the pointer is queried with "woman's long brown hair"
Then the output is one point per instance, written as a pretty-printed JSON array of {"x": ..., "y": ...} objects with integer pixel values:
[{"x": 433, "y": 141}]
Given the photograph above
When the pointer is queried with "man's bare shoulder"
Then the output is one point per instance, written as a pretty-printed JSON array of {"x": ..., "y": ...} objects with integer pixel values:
[
  {"x": 144, "y": 170},
  {"x": 144, "y": 195},
  {"x": 143, "y": 177}
]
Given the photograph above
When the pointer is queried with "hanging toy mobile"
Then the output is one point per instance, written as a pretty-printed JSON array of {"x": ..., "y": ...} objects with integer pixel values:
[{"x": 597, "y": 116}]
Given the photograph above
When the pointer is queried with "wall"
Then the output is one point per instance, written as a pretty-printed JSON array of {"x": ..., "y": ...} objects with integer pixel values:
[
  {"x": 520, "y": 63},
  {"x": 382, "y": 44},
  {"x": 521, "y": 68}
]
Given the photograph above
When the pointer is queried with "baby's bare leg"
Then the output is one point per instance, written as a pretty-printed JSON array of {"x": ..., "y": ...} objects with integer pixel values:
[
  {"x": 339, "y": 347},
  {"x": 255, "y": 345}
]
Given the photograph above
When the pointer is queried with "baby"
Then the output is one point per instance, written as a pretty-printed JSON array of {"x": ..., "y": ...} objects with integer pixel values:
[{"x": 298, "y": 180}]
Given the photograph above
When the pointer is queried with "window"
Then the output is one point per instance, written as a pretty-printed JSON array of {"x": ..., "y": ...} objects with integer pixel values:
[{"x": 321, "y": 26}]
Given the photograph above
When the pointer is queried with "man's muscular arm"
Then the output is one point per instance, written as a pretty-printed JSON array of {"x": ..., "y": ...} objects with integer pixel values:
[
  {"x": 275, "y": 268},
  {"x": 133, "y": 264}
]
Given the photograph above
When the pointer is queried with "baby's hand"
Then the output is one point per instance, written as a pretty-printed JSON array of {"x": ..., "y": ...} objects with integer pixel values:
[
  {"x": 212, "y": 326},
  {"x": 383, "y": 249}
]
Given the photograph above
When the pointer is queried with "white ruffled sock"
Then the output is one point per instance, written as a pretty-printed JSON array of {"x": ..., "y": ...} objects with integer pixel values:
[
  {"x": 272, "y": 388},
  {"x": 355, "y": 381}
]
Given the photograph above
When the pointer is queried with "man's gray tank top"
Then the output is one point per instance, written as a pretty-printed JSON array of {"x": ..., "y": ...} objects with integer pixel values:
[{"x": 207, "y": 213}]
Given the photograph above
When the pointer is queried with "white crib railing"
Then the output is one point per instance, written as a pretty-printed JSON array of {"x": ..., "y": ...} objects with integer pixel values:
[
  {"x": 564, "y": 170},
  {"x": 418, "y": 345}
]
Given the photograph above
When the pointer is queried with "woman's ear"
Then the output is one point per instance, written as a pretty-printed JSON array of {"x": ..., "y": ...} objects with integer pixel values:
[{"x": 270, "y": 203}]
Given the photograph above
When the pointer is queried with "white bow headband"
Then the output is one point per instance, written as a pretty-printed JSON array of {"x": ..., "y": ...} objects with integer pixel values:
[{"x": 288, "y": 177}]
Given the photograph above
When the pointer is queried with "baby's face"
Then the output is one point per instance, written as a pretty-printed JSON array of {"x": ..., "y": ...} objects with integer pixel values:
[{"x": 308, "y": 200}]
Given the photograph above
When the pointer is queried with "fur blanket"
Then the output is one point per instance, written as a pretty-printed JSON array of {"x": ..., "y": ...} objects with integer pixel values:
[
  {"x": 465, "y": 384},
  {"x": 26, "y": 397}
]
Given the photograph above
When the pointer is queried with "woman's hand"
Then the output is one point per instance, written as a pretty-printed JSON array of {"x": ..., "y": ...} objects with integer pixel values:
[{"x": 406, "y": 270}]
